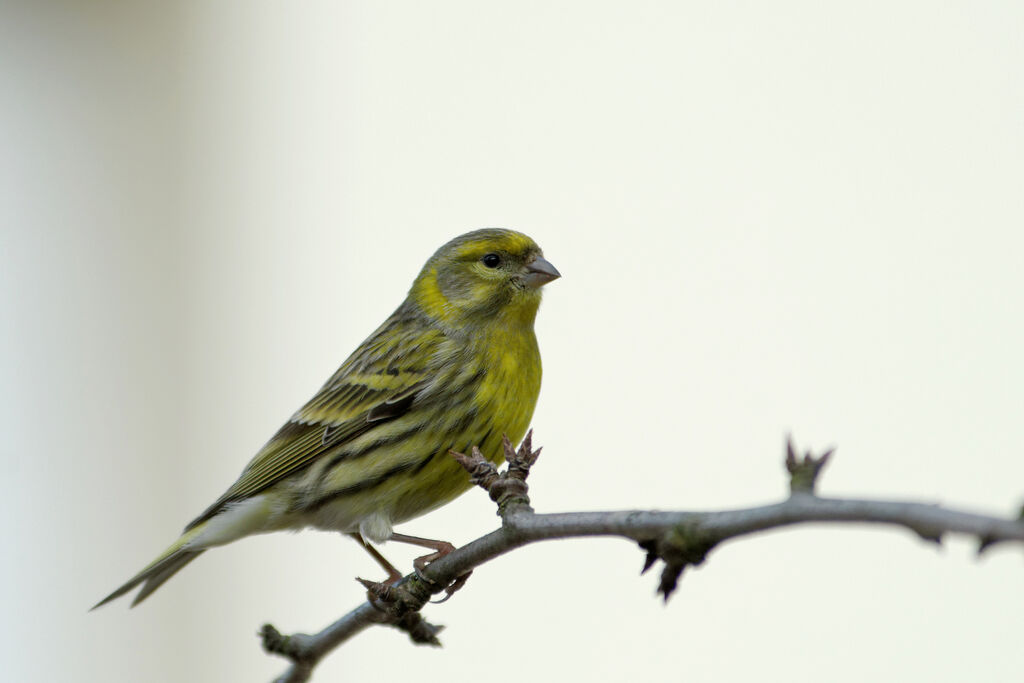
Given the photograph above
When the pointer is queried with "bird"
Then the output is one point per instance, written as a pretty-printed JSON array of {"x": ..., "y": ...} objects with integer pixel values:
[{"x": 455, "y": 366}]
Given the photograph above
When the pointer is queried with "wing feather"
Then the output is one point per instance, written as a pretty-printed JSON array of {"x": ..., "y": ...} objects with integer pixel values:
[{"x": 378, "y": 383}]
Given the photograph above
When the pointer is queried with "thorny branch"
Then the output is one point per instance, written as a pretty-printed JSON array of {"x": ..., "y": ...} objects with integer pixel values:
[{"x": 677, "y": 539}]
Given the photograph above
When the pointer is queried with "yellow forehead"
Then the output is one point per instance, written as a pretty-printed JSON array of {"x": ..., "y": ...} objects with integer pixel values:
[{"x": 506, "y": 241}]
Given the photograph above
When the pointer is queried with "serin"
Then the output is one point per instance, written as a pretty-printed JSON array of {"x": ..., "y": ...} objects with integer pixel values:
[{"x": 455, "y": 366}]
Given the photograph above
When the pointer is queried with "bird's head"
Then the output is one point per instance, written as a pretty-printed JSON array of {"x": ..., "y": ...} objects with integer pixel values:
[{"x": 485, "y": 275}]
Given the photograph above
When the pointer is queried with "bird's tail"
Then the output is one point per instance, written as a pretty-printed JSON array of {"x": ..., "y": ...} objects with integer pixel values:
[{"x": 159, "y": 570}]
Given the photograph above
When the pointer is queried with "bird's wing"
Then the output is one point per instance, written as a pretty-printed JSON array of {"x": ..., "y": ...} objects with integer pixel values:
[{"x": 378, "y": 383}]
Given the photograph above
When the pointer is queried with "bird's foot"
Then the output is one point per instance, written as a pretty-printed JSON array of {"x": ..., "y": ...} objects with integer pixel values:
[{"x": 440, "y": 548}]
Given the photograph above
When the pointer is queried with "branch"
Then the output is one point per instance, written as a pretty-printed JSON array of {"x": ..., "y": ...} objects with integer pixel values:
[{"x": 678, "y": 539}]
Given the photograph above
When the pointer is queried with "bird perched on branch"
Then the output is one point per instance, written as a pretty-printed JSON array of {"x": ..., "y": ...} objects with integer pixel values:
[{"x": 455, "y": 366}]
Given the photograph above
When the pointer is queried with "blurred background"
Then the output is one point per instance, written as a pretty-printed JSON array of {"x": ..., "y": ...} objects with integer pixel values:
[{"x": 770, "y": 217}]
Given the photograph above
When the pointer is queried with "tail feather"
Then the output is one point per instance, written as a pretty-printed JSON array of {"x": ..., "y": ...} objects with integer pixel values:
[
  {"x": 158, "y": 571},
  {"x": 156, "y": 580}
]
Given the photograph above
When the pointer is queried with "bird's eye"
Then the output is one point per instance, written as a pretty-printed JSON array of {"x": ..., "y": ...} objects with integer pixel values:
[{"x": 491, "y": 260}]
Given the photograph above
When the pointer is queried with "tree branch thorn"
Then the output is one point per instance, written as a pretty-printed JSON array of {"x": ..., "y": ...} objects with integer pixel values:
[
  {"x": 401, "y": 605},
  {"x": 680, "y": 547},
  {"x": 291, "y": 647},
  {"x": 508, "y": 489},
  {"x": 482, "y": 472},
  {"x": 804, "y": 471}
]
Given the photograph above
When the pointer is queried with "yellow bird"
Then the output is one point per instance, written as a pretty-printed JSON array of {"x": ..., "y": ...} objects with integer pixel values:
[{"x": 456, "y": 365}]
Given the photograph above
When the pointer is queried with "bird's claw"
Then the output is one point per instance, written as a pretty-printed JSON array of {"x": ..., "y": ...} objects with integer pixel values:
[{"x": 454, "y": 587}]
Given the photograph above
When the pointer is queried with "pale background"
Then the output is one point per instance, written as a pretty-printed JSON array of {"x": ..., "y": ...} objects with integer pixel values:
[{"x": 769, "y": 216}]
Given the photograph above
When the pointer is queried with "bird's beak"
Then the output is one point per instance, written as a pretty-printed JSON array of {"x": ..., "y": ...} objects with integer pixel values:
[{"x": 540, "y": 272}]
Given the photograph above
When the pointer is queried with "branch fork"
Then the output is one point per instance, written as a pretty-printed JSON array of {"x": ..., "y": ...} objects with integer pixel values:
[{"x": 508, "y": 489}]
